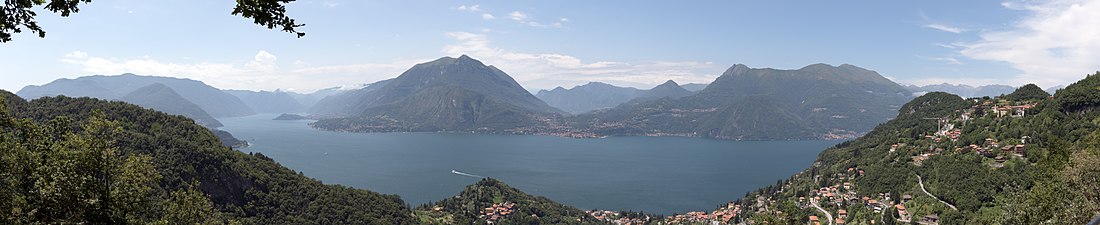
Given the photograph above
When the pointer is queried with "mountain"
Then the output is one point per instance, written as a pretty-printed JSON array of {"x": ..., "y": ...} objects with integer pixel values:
[
  {"x": 1054, "y": 89},
  {"x": 90, "y": 161},
  {"x": 587, "y": 97},
  {"x": 162, "y": 98},
  {"x": 693, "y": 87},
  {"x": 213, "y": 101},
  {"x": 815, "y": 102},
  {"x": 972, "y": 165},
  {"x": 1027, "y": 92},
  {"x": 596, "y": 95},
  {"x": 669, "y": 89},
  {"x": 310, "y": 99},
  {"x": 963, "y": 90},
  {"x": 343, "y": 104},
  {"x": 269, "y": 101},
  {"x": 455, "y": 94}
]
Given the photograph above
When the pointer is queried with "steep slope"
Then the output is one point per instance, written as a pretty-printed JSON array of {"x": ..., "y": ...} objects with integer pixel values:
[
  {"x": 953, "y": 161},
  {"x": 248, "y": 188},
  {"x": 816, "y": 102},
  {"x": 453, "y": 94},
  {"x": 269, "y": 101},
  {"x": 213, "y": 101},
  {"x": 587, "y": 97},
  {"x": 162, "y": 98}
]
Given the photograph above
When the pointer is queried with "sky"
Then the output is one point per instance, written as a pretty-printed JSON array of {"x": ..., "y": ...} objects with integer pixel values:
[{"x": 545, "y": 44}]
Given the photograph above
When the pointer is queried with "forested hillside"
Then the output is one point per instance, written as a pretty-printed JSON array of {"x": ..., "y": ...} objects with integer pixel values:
[
  {"x": 1024, "y": 158},
  {"x": 83, "y": 160}
]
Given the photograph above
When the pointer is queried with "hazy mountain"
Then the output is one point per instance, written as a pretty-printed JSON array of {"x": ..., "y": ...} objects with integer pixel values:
[
  {"x": 597, "y": 95},
  {"x": 1054, "y": 89},
  {"x": 815, "y": 102},
  {"x": 310, "y": 99},
  {"x": 342, "y": 103},
  {"x": 269, "y": 101},
  {"x": 693, "y": 87},
  {"x": 213, "y": 101},
  {"x": 965, "y": 91},
  {"x": 445, "y": 94},
  {"x": 587, "y": 97},
  {"x": 668, "y": 89},
  {"x": 162, "y": 98}
]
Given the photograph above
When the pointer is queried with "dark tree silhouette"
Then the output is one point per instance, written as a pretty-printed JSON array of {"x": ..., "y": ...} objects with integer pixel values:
[{"x": 17, "y": 15}]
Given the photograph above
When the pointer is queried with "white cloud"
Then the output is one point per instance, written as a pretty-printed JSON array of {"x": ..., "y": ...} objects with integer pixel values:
[
  {"x": 549, "y": 70},
  {"x": 471, "y": 8},
  {"x": 330, "y": 4},
  {"x": 263, "y": 61},
  {"x": 262, "y": 72},
  {"x": 487, "y": 16},
  {"x": 517, "y": 16},
  {"x": 527, "y": 19},
  {"x": 1057, "y": 43},
  {"x": 945, "y": 28},
  {"x": 948, "y": 60}
]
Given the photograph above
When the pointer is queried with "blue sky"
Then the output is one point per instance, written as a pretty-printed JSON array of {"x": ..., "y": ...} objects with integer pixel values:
[{"x": 544, "y": 44}]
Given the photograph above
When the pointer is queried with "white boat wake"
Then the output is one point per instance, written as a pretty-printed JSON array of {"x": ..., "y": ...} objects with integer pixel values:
[{"x": 466, "y": 174}]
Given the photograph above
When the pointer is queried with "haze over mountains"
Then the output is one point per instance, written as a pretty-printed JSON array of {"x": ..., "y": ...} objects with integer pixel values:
[
  {"x": 215, "y": 102},
  {"x": 160, "y": 97},
  {"x": 815, "y": 102},
  {"x": 445, "y": 94},
  {"x": 462, "y": 94},
  {"x": 963, "y": 90},
  {"x": 597, "y": 95}
]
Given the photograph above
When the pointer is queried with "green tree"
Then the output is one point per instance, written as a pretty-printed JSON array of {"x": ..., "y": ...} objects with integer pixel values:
[
  {"x": 17, "y": 15},
  {"x": 190, "y": 206}
]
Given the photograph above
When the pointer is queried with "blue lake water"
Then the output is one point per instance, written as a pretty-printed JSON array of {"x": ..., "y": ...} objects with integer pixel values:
[{"x": 652, "y": 174}]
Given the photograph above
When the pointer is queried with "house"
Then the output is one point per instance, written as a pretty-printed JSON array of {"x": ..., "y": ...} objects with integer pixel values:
[
  {"x": 814, "y": 221},
  {"x": 842, "y": 213},
  {"x": 840, "y": 221},
  {"x": 1020, "y": 149},
  {"x": 931, "y": 219},
  {"x": 903, "y": 214}
]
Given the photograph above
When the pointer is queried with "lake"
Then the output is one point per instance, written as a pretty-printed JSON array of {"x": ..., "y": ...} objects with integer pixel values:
[{"x": 653, "y": 174}]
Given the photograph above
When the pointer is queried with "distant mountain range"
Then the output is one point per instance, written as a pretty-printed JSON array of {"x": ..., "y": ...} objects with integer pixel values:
[
  {"x": 597, "y": 95},
  {"x": 210, "y": 99},
  {"x": 269, "y": 101},
  {"x": 457, "y": 94},
  {"x": 694, "y": 87},
  {"x": 815, "y": 102},
  {"x": 962, "y": 90},
  {"x": 463, "y": 94}
]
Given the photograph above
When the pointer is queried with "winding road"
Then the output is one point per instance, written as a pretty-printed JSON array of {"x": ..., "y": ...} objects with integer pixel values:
[
  {"x": 827, "y": 214},
  {"x": 921, "y": 181}
]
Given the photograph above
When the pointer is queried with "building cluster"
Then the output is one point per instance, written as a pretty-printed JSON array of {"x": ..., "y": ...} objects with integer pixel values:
[
  {"x": 722, "y": 215},
  {"x": 497, "y": 211},
  {"x": 616, "y": 217}
]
